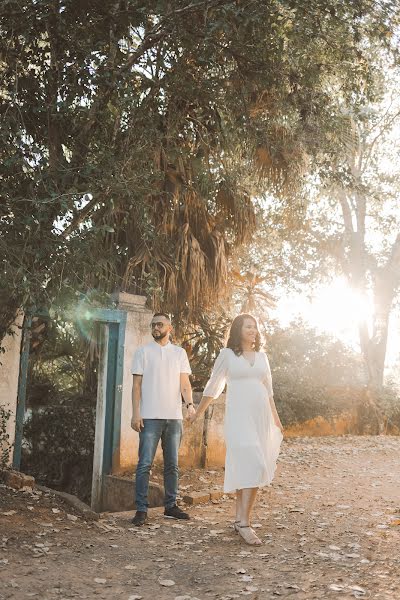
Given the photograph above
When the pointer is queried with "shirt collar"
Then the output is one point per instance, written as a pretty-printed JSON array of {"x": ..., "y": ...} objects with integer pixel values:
[{"x": 159, "y": 345}]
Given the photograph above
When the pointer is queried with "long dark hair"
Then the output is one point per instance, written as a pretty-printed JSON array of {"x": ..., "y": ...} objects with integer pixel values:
[{"x": 235, "y": 334}]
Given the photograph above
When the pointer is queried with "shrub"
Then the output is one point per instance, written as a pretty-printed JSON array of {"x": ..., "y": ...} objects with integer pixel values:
[
  {"x": 5, "y": 446},
  {"x": 58, "y": 448}
]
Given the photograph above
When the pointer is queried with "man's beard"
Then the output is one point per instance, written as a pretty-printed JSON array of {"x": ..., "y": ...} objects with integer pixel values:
[{"x": 159, "y": 335}]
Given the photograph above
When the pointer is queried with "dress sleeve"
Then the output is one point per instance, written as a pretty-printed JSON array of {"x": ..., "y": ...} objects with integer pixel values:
[
  {"x": 216, "y": 383},
  {"x": 268, "y": 378}
]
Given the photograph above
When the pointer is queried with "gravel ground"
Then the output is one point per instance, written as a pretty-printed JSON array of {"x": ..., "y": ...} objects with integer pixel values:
[{"x": 330, "y": 526}]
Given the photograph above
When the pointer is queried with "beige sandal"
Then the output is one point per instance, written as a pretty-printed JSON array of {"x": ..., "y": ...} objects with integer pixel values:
[
  {"x": 236, "y": 526},
  {"x": 255, "y": 541}
]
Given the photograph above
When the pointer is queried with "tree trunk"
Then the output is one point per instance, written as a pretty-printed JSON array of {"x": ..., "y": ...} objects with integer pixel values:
[
  {"x": 373, "y": 347},
  {"x": 377, "y": 352}
]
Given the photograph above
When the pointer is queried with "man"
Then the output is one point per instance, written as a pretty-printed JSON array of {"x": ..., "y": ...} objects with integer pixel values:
[{"x": 160, "y": 378}]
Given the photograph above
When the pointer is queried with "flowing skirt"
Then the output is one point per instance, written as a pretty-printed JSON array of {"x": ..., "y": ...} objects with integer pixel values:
[{"x": 252, "y": 439}]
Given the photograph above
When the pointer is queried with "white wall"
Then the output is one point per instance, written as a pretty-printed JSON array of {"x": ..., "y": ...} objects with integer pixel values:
[{"x": 9, "y": 373}]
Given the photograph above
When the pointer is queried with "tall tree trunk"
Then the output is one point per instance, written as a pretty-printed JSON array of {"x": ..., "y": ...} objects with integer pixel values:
[
  {"x": 378, "y": 346},
  {"x": 373, "y": 348},
  {"x": 385, "y": 285}
]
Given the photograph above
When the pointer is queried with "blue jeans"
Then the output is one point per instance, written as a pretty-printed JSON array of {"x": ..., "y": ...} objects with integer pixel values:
[{"x": 170, "y": 433}]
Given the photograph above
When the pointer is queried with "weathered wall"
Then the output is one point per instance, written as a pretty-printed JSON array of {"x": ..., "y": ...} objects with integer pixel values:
[
  {"x": 190, "y": 453},
  {"x": 202, "y": 443},
  {"x": 9, "y": 373}
]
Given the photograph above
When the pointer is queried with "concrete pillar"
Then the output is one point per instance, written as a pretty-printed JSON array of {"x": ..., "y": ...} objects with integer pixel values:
[
  {"x": 9, "y": 375},
  {"x": 137, "y": 333},
  {"x": 97, "y": 476}
]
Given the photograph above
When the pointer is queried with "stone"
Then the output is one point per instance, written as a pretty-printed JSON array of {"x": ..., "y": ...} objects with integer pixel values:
[
  {"x": 197, "y": 498},
  {"x": 119, "y": 494},
  {"x": 17, "y": 480},
  {"x": 216, "y": 494}
]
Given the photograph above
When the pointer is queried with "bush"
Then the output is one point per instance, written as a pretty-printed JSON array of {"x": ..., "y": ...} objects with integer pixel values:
[
  {"x": 61, "y": 400},
  {"x": 389, "y": 405},
  {"x": 313, "y": 373},
  {"x": 5, "y": 446},
  {"x": 58, "y": 448}
]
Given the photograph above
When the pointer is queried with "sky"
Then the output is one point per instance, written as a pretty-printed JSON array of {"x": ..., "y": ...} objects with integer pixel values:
[{"x": 337, "y": 310}]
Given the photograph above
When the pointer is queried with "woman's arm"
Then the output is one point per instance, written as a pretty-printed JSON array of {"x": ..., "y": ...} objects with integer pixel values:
[
  {"x": 215, "y": 385},
  {"x": 201, "y": 409}
]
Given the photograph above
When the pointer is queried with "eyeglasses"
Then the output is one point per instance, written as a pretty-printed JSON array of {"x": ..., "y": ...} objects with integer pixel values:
[{"x": 158, "y": 324}]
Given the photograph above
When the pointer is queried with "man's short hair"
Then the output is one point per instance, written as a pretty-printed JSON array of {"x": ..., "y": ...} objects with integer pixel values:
[{"x": 162, "y": 314}]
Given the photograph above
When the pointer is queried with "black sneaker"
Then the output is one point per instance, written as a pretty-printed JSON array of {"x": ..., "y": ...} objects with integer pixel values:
[
  {"x": 140, "y": 518},
  {"x": 175, "y": 513}
]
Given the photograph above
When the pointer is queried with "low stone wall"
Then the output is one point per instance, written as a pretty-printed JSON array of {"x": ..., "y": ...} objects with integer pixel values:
[{"x": 119, "y": 494}]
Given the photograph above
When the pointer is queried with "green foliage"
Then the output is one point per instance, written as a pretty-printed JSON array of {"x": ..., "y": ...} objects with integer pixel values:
[
  {"x": 58, "y": 446},
  {"x": 134, "y": 135},
  {"x": 388, "y": 404},
  {"x": 65, "y": 361},
  {"x": 61, "y": 401},
  {"x": 202, "y": 342},
  {"x": 5, "y": 446},
  {"x": 313, "y": 373},
  {"x": 317, "y": 375}
]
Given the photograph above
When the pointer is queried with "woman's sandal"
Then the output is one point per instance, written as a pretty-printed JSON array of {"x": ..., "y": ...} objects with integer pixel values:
[
  {"x": 236, "y": 526},
  {"x": 255, "y": 541}
]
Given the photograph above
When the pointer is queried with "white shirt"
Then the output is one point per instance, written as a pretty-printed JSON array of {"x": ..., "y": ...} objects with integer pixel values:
[{"x": 161, "y": 368}]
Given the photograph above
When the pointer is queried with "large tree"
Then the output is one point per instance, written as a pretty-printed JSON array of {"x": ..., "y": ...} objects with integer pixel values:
[
  {"x": 135, "y": 134},
  {"x": 349, "y": 220},
  {"x": 363, "y": 184}
]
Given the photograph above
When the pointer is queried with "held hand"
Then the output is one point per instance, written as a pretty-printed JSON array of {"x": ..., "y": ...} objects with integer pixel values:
[
  {"x": 137, "y": 424},
  {"x": 191, "y": 415}
]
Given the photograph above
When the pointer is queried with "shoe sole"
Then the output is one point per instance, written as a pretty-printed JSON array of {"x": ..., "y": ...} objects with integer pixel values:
[{"x": 175, "y": 518}]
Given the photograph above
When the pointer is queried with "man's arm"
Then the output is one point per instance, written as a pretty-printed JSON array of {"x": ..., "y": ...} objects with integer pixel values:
[
  {"x": 186, "y": 391},
  {"x": 137, "y": 421}
]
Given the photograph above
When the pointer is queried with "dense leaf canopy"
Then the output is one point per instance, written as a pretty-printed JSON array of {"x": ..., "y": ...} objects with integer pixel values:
[{"x": 136, "y": 135}]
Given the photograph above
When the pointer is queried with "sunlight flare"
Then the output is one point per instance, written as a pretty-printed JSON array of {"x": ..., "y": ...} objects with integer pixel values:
[{"x": 334, "y": 308}]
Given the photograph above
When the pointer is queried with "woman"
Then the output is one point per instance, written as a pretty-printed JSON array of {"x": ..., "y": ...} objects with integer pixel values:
[{"x": 253, "y": 430}]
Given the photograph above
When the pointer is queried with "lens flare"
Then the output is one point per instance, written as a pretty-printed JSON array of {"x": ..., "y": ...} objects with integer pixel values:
[{"x": 85, "y": 316}]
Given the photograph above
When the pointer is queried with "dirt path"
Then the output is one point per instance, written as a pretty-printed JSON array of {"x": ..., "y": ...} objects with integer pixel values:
[{"x": 330, "y": 526}]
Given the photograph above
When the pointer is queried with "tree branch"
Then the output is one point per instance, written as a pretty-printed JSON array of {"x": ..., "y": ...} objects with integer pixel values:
[
  {"x": 346, "y": 211},
  {"x": 86, "y": 210},
  {"x": 385, "y": 127}
]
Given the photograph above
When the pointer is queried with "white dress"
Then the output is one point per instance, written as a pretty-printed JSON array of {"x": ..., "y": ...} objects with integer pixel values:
[{"x": 252, "y": 438}]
